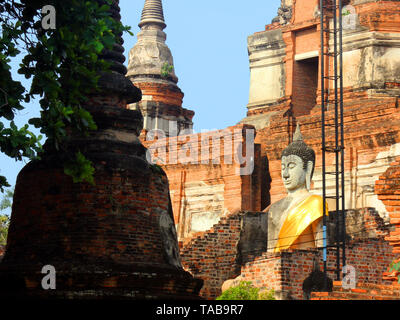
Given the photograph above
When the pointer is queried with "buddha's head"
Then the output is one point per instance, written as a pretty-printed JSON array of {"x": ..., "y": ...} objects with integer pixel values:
[{"x": 298, "y": 161}]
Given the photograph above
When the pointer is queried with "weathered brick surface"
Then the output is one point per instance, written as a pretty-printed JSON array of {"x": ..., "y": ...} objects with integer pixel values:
[
  {"x": 363, "y": 224},
  {"x": 110, "y": 239},
  {"x": 371, "y": 119},
  {"x": 380, "y": 15},
  {"x": 363, "y": 291},
  {"x": 387, "y": 188},
  {"x": 370, "y": 126},
  {"x": 305, "y": 84},
  {"x": 212, "y": 160},
  {"x": 167, "y": 94},
  {"x": 286, "y": 272},
  {"x": 213, "y": 257},
  {"x": 114, "y": 221}
]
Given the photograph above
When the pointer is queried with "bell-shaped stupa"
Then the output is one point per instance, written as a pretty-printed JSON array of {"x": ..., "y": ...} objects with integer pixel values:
[{"x": 151, "y": 68}]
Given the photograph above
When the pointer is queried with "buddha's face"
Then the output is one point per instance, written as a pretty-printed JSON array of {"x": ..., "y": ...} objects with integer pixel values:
[{"x": 293, "y": 173}]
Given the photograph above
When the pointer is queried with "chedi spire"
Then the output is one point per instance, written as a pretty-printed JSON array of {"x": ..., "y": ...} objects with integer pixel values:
[
  {"x": 152, "y": 14},
  {"x": 151, "y": 69},
  {"x": 150, "y": 54}
]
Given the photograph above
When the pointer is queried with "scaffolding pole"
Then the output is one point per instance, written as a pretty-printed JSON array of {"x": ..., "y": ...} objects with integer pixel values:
[{"x": 332, "y": 96}]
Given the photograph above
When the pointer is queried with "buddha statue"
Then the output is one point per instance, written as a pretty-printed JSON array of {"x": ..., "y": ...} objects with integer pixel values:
[{"x": 295, "y": 222}]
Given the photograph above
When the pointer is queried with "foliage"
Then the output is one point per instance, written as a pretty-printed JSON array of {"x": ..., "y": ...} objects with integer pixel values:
[
  {"x": 4, "y": 224},
  {"x": 80, "y": 169},
  {"x": 14, "y": 142},
  {"x": 64, "y": 65},
  {"x": 6, "y": 201},
  {"x": 246, "y": 291},
  {"x": 395, "y": 266},
  {"x": 267, "y": 295},
  {"x": 243, "y": 291},
  {"x": 166, "y": 69},
  {"x": 345, "y": 12}
]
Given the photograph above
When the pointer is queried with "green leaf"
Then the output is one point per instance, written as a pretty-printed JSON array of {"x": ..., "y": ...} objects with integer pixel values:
[
  {"x": 98, "y": 46},
  {"x": 80, "y": 169},
  {"x": 395, "y": 267}
]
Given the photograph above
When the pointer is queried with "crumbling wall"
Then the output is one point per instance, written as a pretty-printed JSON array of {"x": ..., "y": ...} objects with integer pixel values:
[
  {"x": 206, "y": 179},
  {"x": 286, "y": 272},
  {"x": 212, "y": 255},
  {"x": 237, "y": 245},
  {"x": 387, "y": 189}
]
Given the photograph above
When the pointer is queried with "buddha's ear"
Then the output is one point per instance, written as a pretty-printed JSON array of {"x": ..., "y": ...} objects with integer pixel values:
[{"x": 309, "y": 172}]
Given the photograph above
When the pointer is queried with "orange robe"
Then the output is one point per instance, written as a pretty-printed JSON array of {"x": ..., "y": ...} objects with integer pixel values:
[{"x": 299, "y": 219}]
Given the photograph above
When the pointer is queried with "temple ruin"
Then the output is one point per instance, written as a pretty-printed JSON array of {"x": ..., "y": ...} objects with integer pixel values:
[
  {"x": 200, "y": 221},
  {"x": 215, "y": 208}
]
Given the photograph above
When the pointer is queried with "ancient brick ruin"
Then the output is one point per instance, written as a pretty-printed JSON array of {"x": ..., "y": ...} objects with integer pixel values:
[
  {"x": 217, "y": 204},
  {"x": 115, "y": 239},
  {"x": 210, "y": 200}
]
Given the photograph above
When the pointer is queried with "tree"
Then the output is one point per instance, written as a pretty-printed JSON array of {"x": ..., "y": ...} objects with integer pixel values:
[
  {"x": 64, "y": 65},
  {"x": 4, "y": 223},
  {"x": 5, "y": 203}
]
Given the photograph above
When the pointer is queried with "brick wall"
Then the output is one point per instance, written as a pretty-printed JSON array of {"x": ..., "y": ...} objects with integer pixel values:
[
  {"x": 211, "y": 256},
  {"x": 363, "y": 291},
  {"x": 304, "y": 10},
  {"x": 114, "y": 237},
  {"x": 167, "y": 94},
  {"x": 387, "y": 189},
  {"x": 80, "y": 222},
  {"x": 286, "y": 272},
  {"x": 305, "y": 84},
  {"x": 307, "y": 40},
  {"x": 371, "y": 126},
  {"x": 203, "y": 169},
  {"x": 380, "y": 15},
  {"x": 215, "y": 257}
]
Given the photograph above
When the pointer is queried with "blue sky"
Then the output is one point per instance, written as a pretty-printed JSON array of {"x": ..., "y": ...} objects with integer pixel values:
[{"x": 208, "y": 40}]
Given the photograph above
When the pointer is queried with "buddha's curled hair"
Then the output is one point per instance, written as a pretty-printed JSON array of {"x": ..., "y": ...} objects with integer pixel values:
[{"x": 299, "y": 148}]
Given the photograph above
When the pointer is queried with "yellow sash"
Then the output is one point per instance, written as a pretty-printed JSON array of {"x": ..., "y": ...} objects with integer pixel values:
[{"x": 298, "y": 219}]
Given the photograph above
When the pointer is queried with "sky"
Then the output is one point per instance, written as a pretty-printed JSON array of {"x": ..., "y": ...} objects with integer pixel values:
[{"x": 208, "y": 41}]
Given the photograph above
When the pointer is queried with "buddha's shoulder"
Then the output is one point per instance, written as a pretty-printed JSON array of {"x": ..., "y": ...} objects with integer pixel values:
[
  {"x": 286, "y": 202},
  {"x": 279, "y": 205},
  {"x": 315, "y": 199}
]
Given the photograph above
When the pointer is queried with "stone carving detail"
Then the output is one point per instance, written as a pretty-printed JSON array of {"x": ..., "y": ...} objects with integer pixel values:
[
  {"x": 169, "y": 240},
  {"x": 284, "y": 15}
]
